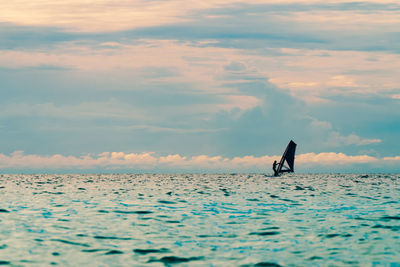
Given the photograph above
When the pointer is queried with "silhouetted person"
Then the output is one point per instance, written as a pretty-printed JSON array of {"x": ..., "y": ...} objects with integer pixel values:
[{"x": 274, "y": 168}]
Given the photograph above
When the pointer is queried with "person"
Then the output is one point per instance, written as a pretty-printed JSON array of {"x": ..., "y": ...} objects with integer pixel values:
[{"x": 274, "y": 168}]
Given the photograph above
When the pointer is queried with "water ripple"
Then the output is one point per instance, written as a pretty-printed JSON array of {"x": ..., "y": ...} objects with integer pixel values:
[{"x": 200, "y": 219}]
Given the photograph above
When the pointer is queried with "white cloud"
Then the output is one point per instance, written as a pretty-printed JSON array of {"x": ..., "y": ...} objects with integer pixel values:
[
  {"x": 331, "y": 158},
  {"x": 150, "y": 162},
  {"x": 173, "y": 160}
]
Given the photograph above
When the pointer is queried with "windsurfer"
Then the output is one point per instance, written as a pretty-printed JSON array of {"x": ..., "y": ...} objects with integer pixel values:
[{"x": 274, "y": 168}]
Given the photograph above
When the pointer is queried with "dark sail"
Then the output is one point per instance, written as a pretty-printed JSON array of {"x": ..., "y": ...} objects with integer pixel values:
[{"x": 287, "y": 161}]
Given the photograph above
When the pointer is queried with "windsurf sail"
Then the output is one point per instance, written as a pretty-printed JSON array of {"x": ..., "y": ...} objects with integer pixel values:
[{"x": 287, "y": 161}]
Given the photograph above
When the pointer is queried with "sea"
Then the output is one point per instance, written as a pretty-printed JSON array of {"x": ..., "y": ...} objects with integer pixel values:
[{"x": 200, "y": 220}]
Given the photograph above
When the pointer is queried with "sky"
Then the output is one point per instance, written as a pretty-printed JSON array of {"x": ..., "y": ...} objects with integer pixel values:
[{"x": 199, "y": 86}]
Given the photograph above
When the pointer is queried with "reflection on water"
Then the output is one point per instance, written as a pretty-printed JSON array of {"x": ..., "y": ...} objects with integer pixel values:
[{"x": 200, "y": 219}]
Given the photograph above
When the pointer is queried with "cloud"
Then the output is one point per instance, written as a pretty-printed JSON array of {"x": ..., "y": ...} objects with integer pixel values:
[
  {"x": 148, "y": 161},
  {"x": 320, "y": 125},
  {"x": 181, "y": 104},
  {"x": 95, "y": 16},
  {"x": 235, "y": 66},
  {"x": 173, "y": 160},
  {"x": 20, "y": 161},
  {"x": 135, "y": 112},
  {"x": 393, "y": 159},
  {"x": 396, "y": 96},
  {"x": 242, "y": 102},
  {"x": 103, "y": 15},
  {"x": 335, "y": 139},
  {"x": 309, "y": 25},
  {"x": 214, "y": 78},
  {"x": 152, "y": 128},
  {"x": 85, "y": 110},
  {"x": 333, "y": 159}
]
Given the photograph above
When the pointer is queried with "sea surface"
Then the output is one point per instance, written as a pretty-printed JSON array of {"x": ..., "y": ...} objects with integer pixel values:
[{"x": 200, "y": 220}]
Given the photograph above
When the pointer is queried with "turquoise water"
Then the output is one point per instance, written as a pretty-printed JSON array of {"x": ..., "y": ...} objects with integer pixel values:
[{"x": 200, "y": 220}]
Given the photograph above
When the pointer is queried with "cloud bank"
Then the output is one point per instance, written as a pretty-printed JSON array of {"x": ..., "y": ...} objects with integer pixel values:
[{"x": 150, "y": 162}]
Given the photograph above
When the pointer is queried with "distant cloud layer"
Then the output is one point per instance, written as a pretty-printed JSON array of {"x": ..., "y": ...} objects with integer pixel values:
[{"x": 120, "y": 161}]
